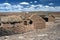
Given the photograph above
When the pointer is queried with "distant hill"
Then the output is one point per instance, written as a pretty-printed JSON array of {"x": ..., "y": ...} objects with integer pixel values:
[{"x": 37, "y": 12}]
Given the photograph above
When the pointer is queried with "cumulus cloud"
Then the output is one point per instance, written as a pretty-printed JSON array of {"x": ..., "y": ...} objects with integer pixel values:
[
  {"x": 35, "y": 1},
  {"x": 47, "y": 6},
  {"x": 7, "y": 4},
  {"x": 6, "y": 7},
  {"x": 31, "y": 2},
  {"x": 26, "y": 3},
  {"x": 42, "y": 8},
  {"x": 51, "y": 3}
]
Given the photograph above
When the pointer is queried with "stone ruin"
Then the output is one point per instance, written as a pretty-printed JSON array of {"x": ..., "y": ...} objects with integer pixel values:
[
  {"x": 54, "y": 17},
  {"x": 21, "y": 23}
]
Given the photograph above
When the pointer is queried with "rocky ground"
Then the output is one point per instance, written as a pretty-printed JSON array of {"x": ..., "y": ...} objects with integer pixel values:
[{"x": 52, "y": 32}]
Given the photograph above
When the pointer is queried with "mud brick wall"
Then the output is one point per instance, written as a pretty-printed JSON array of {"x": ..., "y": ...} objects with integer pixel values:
[
  {"x": 29, "y": 26},
  {"x": 38, "y": 22},
  {"x": 16, "y": 24},
  {"x": 18, "y": 27},
  {"x": 51, "y": 18}
]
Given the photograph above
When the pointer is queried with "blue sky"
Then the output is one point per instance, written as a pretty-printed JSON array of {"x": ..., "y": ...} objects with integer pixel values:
[{"x": 29, "y": 5}]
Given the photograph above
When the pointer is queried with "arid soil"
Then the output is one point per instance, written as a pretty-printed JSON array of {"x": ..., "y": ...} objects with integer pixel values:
[{"x": 51, "y": 32}]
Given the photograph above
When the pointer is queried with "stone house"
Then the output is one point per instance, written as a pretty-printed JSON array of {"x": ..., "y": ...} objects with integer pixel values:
[
  {"x": 54, "y": 17},
  {"x": 22, "y": 23},
  {"x": 38, "y": 21}
]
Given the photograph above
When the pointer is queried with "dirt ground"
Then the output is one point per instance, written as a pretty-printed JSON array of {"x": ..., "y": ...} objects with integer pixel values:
[{"x": 52, "y": 32}]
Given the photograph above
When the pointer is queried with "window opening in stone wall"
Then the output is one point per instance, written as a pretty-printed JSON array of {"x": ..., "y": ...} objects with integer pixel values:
[
  {"x": 30, "y": 22},
  {"x": 25, "y": 22}
]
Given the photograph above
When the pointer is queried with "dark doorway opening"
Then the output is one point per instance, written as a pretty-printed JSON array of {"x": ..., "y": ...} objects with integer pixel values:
[
  {"x": 13, "y": 23},
  {"x": 46, "y": 19},
  {"x": 25, "y": 22},
  {"x": 0, "y": 24},
  {"x": 30, "y": 22}
]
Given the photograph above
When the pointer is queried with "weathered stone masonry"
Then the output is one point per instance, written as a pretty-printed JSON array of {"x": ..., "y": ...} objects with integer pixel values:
[{"x": 21, "y": 23}]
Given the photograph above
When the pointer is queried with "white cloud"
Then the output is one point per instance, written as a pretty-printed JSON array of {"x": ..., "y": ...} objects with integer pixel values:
[
  {"x": 40, "y": 5},
  {"x": 17, "y": 7},
  {"x": 47, "y": 6},
  {"x": 51, "y": 3},
  {"x": 31, "y": 2},
  {"x": 6, "y": 4},
  {"x": 42, "y": 8},
  {"x": 32, "y": 6},
  {"x": 6, "y": 7},
  {"x": 26, "y": 3},
  {"x": 35, "y": 1}
]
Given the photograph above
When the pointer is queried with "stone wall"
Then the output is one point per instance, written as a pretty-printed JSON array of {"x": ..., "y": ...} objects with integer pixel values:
[
  {"x": 38, "y": 21},
  {"x": 51, "y": 18},
  {"x": 22, "y": 23}
]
